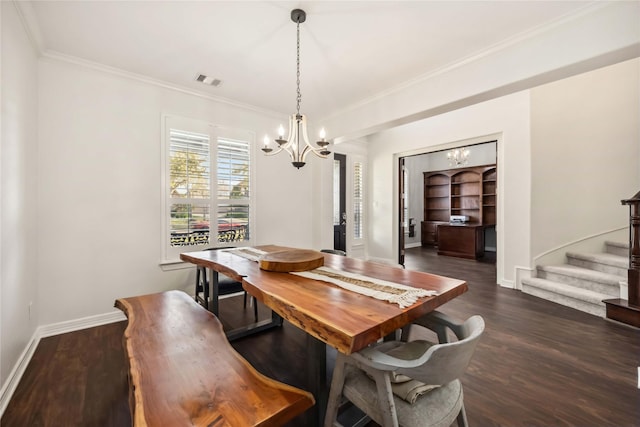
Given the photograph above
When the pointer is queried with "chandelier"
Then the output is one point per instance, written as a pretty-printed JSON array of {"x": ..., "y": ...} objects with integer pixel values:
[
  {"x": 458, "y": 156},
  {"x": 297, "y": 142}
]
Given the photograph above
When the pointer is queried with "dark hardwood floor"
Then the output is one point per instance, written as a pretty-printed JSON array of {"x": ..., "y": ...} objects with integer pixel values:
[{"x": 538, "y": 364}]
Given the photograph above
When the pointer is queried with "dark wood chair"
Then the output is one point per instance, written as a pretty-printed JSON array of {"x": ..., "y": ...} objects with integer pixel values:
[{"x": 226, "y": 286}]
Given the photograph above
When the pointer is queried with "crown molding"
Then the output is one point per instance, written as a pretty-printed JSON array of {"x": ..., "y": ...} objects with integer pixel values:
[
  {"x": 57, "y": 56},
  {"x": 30, "y": 23}
]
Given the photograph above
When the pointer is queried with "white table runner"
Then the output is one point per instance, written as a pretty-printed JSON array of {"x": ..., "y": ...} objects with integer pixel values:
[
  {"x": 252, "y": 254},
  {"x": 395, "y": 293}
]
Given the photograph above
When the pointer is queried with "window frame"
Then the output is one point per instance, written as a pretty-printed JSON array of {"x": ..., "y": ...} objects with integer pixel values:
[{"x": 171, "y": 254}]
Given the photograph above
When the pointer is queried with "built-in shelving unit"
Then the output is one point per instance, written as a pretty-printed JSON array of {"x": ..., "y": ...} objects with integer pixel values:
[
  {"x": 436, "y": 205},
  {"x": 489, "y": 179},
  {"x": 465, "y": 194},
  {"x": 469, "y": 192}
]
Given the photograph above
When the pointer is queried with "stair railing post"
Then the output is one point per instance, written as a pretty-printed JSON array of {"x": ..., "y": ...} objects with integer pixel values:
[{"x": 634, "y": 249}]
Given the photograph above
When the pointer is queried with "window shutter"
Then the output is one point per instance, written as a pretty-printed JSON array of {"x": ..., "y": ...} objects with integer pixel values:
[
  {"x": 189, "y": 187},
  {"x": 234, "y": 163},
  {"x": 358, "y": 201},
  {"x": 189, "y": 176}
]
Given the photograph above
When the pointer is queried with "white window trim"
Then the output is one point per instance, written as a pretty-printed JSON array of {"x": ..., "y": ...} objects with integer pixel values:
[{"x": 170, "y": 257}]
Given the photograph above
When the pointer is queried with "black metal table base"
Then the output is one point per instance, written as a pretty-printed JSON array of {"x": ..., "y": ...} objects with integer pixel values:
[
  {"x": 316, "y": 381},
  {"x": 244, "y": 331},
  {"x": 254, "y": 328},
  {"x": 316, "y": 358}
]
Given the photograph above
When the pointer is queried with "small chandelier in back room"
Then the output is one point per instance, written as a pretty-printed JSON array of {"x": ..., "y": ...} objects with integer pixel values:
[
  {"x": 297, "y": 143},
  {"x": 458, "y": 157}
]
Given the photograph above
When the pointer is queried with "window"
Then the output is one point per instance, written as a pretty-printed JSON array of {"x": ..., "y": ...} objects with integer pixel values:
[
  {"x": 358, "y": 201},
  {"x": 206, "y": 186}
]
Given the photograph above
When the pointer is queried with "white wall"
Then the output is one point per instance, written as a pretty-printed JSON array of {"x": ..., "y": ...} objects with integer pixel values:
[
  {"x": 100, "y": 197},
  {"x": 18, "y": 237},
  {"x": 505, "y": 119},
  {"x": 585, "y": 135}
]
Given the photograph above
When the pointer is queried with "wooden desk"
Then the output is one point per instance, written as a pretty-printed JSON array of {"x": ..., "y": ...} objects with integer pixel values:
[
  {"x": 331, "y": 315},
  {"x": 461, "y": 240}
]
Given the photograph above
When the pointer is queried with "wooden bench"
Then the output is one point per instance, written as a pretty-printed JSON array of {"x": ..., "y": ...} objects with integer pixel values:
[{"x": 184, "y": 372}]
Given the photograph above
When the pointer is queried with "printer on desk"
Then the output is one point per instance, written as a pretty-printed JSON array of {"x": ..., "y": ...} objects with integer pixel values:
[{"x": 458, "y": 219}]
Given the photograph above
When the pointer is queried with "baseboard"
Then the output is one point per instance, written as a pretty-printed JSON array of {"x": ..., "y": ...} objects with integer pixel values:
[
  {"x": 522, "y": 273},
  {"x": 16, "y": 373},
  {"x": 82, "y": 323},
  {"x": 12, "y": 381},
  {"x": 412, "y": 245},
  {"x": 505, "y": 283}
]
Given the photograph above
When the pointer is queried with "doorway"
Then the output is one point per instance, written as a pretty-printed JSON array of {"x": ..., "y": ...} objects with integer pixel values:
[{"x": 412, "y": 197}]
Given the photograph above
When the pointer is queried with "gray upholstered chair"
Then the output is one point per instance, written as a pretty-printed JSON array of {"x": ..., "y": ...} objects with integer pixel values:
[{"x": 373, "y": 377}]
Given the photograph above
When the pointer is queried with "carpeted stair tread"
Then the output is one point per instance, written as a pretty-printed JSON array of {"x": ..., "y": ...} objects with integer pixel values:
[
  {"x": 566, "y": 290},
  {"x": 623, "y": 245},
  {"x": 601, "y": 258},
  {"x": 583, "y": 273},
  {"x": 617, "y": 248}
]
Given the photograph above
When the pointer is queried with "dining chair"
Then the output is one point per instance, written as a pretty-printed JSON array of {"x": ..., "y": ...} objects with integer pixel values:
[
  {"x": 408, "y": 383},
  {"x": 226, "y": 286},
  {"x": 334, "y": 251}
]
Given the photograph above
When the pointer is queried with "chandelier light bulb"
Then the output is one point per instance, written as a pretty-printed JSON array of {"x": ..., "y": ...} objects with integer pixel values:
[{"x": 266, "y": 147}]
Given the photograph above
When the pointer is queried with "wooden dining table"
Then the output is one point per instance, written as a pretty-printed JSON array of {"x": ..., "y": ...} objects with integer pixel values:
[{"x": 330, "y": 315}]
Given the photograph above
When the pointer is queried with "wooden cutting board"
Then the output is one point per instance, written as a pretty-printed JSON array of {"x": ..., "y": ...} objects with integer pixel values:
[{"x": 291, "y": 260}]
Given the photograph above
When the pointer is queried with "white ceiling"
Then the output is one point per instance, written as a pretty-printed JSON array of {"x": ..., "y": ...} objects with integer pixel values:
[{"x": 350, "y": 50}]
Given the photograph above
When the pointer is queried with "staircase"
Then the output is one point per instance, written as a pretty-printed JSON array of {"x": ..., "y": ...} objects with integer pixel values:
[{"x": 586, "y": 279}]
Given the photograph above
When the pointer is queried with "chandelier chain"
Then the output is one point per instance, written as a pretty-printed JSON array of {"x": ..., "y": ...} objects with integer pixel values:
[{"x": 299, "y": 99}]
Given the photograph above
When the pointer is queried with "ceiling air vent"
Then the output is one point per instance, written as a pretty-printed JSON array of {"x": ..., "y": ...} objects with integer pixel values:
[{"x": 208, "y": 80}]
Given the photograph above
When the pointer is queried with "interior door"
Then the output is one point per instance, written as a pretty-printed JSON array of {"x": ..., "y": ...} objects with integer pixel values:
[
  {"x": 401, "y": 215},
  {"x": 340, "y": 202}
]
